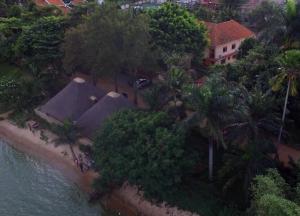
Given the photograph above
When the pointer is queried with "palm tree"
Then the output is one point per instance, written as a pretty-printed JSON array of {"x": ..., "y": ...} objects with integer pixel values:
[
  {"x": 250, "y": 138},
  {"x": 257, "y": 119},
  {"x": 214, "y": 106},
  {"x": 67, "y": 133},
  {"x": 289, "y": 71},
  {"x": 176, "y": 79}
]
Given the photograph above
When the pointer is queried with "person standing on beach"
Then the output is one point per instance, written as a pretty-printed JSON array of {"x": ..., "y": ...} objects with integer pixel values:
[{"x": 80, "y": 163}]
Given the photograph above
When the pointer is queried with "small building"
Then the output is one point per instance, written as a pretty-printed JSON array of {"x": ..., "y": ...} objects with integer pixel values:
[
  {"x": 85, "y": 105},
  {"x": 225, "y": 40},
  {"x": 71, "y": 102},
  {"x": 93, "y": 119}
]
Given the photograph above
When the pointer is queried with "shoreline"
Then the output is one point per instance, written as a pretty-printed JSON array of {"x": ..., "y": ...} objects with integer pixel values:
[
  {"x": 29, "y": 143},
  {"x": 125, "y": 200}
]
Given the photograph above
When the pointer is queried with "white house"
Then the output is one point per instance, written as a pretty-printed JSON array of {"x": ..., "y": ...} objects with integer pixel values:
[{"x": 225, "y": 39}]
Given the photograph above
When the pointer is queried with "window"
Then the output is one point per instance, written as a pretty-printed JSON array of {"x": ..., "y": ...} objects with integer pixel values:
[
  {"x": 223, "y": 61},
  {"x": 234, "y": 56},
  {"x": 224, "y": 49},
  {"x": 233, "y": 46},
  {"x": 228, "y": 58}
]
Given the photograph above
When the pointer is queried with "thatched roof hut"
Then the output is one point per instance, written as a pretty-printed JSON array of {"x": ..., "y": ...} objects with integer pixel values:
[
  {"x": 93, "y": 119},
  {"x": 72, "y": 101}
]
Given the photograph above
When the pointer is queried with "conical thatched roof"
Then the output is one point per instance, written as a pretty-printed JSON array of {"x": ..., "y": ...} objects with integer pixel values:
[
  {"x": 93, "y": 119},
  {"x": 72, "y": 101}
]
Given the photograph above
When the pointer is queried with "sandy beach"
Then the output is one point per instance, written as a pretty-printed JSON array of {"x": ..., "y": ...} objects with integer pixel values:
[
  {"x": 125, "y": 200},
  {"x": 59, "y": 156}
]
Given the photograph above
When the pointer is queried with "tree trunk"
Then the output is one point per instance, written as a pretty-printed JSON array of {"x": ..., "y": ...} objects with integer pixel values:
[
  {"x": 72, "y": 151},
  {"x": 116, "y": 82},
  {"x": 210, "y": 160},
  {"x": 135, "y": 99},
  {"x": 284, "y": 113}
]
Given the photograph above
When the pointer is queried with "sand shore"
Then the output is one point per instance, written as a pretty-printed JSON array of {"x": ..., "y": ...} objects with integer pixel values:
[
  {"x": 59, "y": 156},
  {"x": 125, "y": 200}
]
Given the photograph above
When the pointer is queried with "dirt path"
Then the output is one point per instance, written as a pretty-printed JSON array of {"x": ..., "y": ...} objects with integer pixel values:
[{"x": 285, "y": 152}]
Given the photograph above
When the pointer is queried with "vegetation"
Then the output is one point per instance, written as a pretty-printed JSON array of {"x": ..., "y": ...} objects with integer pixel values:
[
  {"x": 205, "y": 142},
  {"x": 175, "y": 30},
  {"x": 110, "y": 41},
  {"x": 155, "y": 153},
  {"x": 290, "y": 62},
  {"x": 269, "y": 196}
]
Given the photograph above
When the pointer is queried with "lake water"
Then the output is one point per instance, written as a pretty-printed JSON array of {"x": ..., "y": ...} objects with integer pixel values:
[{"x": 29, "y": 187}]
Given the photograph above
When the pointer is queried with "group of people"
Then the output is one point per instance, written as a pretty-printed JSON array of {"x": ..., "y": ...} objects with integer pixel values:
[
  {"x": 32, "y": 125},
  {"x": 84, "y": 165}
]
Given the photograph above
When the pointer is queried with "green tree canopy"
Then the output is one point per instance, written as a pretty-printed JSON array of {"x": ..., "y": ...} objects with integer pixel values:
[
  {"x": 269, "y": 196},
  {"x": 146, "y": 149},
  {"x": 110, "y": 40},
  {"x": 39, "y": 44},
  {"x": 175, "y": 30},
  {"x": 246, "y": 46},
  {"x": 269, "y": 21}
]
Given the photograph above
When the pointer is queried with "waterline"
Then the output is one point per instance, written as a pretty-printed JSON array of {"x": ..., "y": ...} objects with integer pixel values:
[{"x": 30, "y": 187}]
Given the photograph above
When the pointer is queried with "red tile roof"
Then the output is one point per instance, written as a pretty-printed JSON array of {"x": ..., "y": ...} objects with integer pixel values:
[
  {"x": 222, "y": 33},
  {"x": 56, "y": 2}
]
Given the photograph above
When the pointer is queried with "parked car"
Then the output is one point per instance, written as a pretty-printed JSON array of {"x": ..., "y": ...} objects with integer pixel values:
[{"x": 142, "y": 83}]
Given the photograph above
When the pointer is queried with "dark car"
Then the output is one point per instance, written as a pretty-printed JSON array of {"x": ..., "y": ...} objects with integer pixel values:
[{"x": 142, "y": 83}]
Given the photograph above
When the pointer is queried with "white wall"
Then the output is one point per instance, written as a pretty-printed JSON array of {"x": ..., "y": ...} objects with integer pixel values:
[{"x": 219, "y": 54}]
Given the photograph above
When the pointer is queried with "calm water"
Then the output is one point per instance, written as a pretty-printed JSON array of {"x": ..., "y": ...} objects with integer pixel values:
[{"x": 29, "y": 187}]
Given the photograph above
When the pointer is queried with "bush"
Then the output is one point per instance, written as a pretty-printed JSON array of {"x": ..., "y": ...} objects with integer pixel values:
[{"x": 269, "y": 196}]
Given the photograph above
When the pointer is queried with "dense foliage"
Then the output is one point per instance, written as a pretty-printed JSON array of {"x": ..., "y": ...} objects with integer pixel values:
[
  {"x": 146, "y": 149},
  {"x": 174, "y": 29},
  {"x": 110, "y": 41},
  {"x": 207, "y": 132},
  {"x": 269, "y": 196}
]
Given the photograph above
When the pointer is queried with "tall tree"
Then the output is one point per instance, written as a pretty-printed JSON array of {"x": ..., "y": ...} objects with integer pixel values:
[
  {"x": 246, "y": 46},
  {"x": 250, "y": 138},
  {"x": 67, "y": 133},
  {"x": 112, "y": 40},
  {"x": 289, "y": 71},
  {"x": 214, "y": 108},
  {"x": 292, "y": 24},
  {"x": 40, "y": 44},
  {"x": 145, "y": 149},
  {"x": 269, "y": 21},
  {"x": 277, "y": 24},
  {"x": 175, "y": 30}
]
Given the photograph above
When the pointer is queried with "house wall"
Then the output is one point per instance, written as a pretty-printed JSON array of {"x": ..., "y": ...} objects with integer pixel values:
[
  {"x": 228, "y": 55},
  {"x": 219, "y": 55}
]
